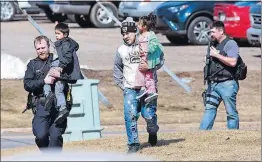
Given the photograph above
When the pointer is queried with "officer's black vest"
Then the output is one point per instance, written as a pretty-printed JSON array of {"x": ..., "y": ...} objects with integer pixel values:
[{"x": 218, "y": 70}]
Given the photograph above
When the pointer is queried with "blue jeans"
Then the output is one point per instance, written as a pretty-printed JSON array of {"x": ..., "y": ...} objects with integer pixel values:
[
  {"x": 132, "y": 108},
  {"x": 59, "y": 93},
  {"x": 59, "y": 89},
  {"x": 223, "y": 91}
]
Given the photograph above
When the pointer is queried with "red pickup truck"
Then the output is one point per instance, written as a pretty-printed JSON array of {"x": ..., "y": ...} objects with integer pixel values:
[{"x": 235, "y": 17}]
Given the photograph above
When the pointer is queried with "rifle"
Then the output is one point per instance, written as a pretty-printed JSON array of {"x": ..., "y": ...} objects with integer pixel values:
[
  {"x": 207, "y": 72},
  {"x": 207, "y": 67}
]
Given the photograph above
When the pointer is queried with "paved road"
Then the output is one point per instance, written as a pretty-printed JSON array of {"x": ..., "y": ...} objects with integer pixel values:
[
  {"x": 20, "y": 139},
  {"x": 17, "y": 39}
]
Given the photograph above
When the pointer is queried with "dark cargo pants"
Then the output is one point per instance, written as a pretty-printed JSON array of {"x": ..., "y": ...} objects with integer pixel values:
[{"x": 47, "y": 133}]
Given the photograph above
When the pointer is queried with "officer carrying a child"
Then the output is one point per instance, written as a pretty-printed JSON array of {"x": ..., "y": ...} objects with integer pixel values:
[
  {"x": 224, "y": 67},
  {"x": 47, "y": 133}
]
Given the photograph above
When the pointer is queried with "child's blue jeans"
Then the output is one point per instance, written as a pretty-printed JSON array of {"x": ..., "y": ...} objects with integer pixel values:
[{"x": 59, "y": 89}]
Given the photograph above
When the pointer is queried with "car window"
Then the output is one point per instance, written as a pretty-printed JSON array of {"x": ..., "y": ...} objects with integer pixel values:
[{"x": 242, "y": 4}]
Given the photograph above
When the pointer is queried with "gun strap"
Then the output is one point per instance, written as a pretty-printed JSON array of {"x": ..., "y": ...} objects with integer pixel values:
[
  {"x": 212, "y": 103},
  {"x": 215, "y": 97},
  {"x": 216, "y": 72}
]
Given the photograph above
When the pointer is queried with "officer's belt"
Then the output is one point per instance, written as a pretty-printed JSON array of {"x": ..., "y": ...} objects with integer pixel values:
[
  {"x": 40, "y": 99},
  {"x": 219, "y": 81}
]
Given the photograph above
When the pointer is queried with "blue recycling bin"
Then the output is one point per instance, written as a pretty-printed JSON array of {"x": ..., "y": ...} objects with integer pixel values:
[{"x": 84, "y": 118}]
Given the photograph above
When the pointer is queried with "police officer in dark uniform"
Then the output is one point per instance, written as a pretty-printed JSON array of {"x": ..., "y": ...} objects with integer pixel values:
[
  {"x": 222, "y": 79},
  {"x": 47, "y": 133}
]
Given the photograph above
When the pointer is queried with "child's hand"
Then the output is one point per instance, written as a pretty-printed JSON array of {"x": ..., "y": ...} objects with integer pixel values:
[
  {"x": 49, "y": 79},
  {"x": 59, "y": 69},
  {"x": 143, "y": 67},
  {"x": 54, "y": 72}
]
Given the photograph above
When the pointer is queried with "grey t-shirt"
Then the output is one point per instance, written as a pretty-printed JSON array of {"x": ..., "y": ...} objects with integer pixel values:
[{"x": 231, "y": 48}]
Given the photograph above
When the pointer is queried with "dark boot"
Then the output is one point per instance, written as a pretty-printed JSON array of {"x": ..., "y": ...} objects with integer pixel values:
[
  {"x": 152, "y": 129},
  {"x": 133, "y": 148},
  {"x": 152, "y": 139},
  {"x": 49, "y": 101},
  {"x": 62, "y": 115}
]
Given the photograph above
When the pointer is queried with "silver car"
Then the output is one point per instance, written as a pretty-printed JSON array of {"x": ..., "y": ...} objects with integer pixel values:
[
  {"x": 9, "y": 9},
  {"x": 137, "y": 8}
]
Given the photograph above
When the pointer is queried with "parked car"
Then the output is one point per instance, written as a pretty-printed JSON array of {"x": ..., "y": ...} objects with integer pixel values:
[
  {"x": 137, "y": 9},
  {"x": 9, "y": 9},
  {"x": 254, "y": 32},
  {"x": 185, "y": 21},
  {"x": 235, "y": 17},
  {"x": 87, "y": 13},
  {"x": 45, "y": 6}
]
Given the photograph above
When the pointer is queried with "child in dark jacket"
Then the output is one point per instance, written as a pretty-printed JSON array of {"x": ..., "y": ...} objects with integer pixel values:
[{"x": 65, "y": 62}]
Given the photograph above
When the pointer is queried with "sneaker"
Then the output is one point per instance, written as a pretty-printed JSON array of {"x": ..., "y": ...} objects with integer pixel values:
[
  {"x": 133, "y": 148},
  {"x": 49, "y": 101},
  {"x": 141, "y": 93},
  {"x": 152, "y": 139},
  {"x": 63, "y": 114},
  {"x": 151, "y": 97}
]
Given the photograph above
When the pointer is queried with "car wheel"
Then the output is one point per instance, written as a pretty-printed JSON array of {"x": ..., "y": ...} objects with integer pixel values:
[
  {"x": 83, "y": 21},
  {"x": 99, "y": 17},
  {"x": 8, "y": 10},
  {"x": 53, "y": 17},
  {"x": 199, "y": 31},
  {"x": 177, "y": 40}
]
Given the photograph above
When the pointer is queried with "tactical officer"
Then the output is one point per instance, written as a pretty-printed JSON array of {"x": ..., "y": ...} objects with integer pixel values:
[
  {"x": 48, "y": 134},
  {"x": 222, "y": 84}
]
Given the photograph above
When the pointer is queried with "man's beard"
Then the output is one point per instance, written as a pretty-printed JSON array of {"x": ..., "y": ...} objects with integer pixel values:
[
  {"x": 127, "y": 42},
  {"x": 43, "y": 54}
]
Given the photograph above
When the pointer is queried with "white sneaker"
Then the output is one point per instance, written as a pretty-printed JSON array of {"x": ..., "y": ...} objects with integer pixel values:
[
  {"x": 141, "y": 93},
  {"x": 151, "y": 97}
]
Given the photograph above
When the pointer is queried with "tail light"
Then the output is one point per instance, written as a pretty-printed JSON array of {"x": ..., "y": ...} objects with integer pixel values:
[
  {"x": 229, "y": 16},
  {"x": 222, "y": 16},
  {"x": 226, "y": 13}
]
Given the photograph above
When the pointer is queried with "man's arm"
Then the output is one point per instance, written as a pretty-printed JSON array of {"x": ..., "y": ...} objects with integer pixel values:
[
  {"x": 231, "y": 50},
  {"x": 30, "y": 84},
  {"x": 229, "y": 61},
  {"x": 67, "y": 55},
  {"x": 118, "y": 71}
]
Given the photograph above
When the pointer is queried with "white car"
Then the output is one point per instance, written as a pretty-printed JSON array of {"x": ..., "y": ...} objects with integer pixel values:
[
  {"x": 9, "y": 9},
  {"x": 254, "y": 32}
]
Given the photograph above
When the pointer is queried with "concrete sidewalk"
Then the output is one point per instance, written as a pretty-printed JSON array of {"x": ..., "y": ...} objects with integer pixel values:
[{"x": 20, "y": 137}]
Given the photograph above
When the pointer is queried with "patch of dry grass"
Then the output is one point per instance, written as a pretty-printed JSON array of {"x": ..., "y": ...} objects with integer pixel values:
[
  {"x": 175, "y": 106},
  {"x": 237, "y": 145}
]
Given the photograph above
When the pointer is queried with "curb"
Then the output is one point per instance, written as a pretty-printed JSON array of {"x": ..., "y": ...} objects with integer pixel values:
[{"x": 22, "y": 130}]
